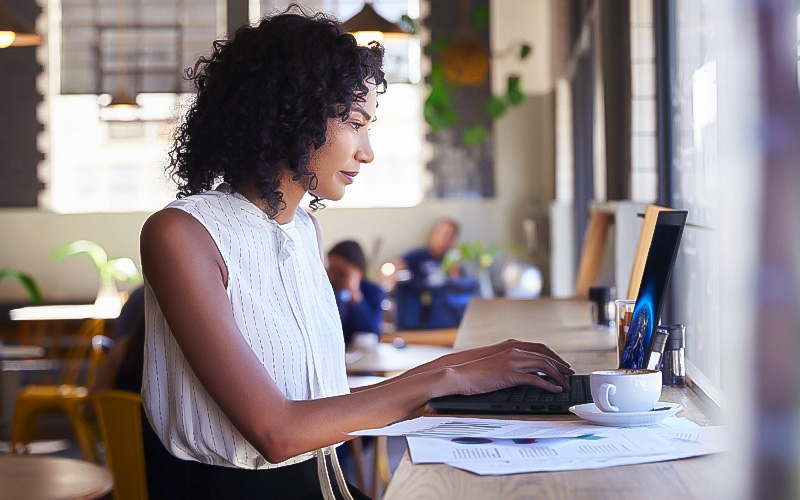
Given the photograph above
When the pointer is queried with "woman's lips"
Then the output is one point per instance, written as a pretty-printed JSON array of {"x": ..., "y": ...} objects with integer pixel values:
[{"x": 349, "y": 176}]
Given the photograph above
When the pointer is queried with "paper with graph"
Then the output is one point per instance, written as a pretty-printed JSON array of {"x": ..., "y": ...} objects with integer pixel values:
[{"x": 483, "y": 427}]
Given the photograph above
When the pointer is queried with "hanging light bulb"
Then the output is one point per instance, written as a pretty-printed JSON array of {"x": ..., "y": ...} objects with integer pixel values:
[
  {"x": 123, "y": 99},
  {"x": 15, "y": 31},
  {"x": 368, "y": 26}
]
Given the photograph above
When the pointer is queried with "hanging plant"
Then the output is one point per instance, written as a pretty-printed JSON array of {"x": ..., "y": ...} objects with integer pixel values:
[{"x": 465, "y": 62}]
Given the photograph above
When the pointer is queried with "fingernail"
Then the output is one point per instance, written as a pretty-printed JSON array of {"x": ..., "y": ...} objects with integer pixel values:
[{"x": 559, "y": 388}]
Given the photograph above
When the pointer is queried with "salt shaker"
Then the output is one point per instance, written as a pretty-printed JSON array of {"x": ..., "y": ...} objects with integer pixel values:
[
  {"x": 673, "y": 366},
  {"x": 659, "y": 341}
]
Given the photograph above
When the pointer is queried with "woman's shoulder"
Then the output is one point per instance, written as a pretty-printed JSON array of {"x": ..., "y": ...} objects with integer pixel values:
[
  {"x": 170, "y": 224},
  {"x": 207, "y": 200}
]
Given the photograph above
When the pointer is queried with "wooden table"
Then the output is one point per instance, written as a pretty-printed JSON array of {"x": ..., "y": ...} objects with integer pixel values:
[
  {"x": 14, "y": 360},
  {"x": 52, "y": 478},
  {"x": 563, "y": 325},
  {"x": 444, "y": 337},
  {"x": 388, "y": 360}
]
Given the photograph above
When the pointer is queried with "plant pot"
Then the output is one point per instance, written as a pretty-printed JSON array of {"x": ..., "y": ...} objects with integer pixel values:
[{"x": 108, "y": 299}]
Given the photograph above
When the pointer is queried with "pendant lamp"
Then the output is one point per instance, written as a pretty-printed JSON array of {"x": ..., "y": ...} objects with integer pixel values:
[
  {"x": 16, "y": 31},
  {"x": 369, "y": 26},
  {"x": 123, "y": 99}
]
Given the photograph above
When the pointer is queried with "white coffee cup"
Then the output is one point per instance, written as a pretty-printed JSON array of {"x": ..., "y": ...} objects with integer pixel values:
[{"x": 625, "y": 390}]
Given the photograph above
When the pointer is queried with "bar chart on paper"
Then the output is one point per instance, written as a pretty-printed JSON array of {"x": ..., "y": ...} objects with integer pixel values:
[{"x": 461, "y": 428}]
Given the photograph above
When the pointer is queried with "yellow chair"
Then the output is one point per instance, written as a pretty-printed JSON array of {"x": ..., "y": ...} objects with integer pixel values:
[
  {"x": 119, "y": 419},
  {"x": 67, "y": 396}
]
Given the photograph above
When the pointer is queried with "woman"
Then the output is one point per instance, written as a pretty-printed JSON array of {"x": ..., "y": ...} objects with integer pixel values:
[{"x": 244, "y": 358}]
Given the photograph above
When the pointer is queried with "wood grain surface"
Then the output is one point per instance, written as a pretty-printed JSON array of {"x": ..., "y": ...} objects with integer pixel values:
[{"x": 52, "y": 478}]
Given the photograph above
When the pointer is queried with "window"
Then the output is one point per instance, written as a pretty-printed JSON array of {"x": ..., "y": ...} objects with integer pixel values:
[
  {"x": 644, "y": 178},
  {"x": 695, "y": 175},
  {"x": 106, "y": 160},
  {"x": 395, "y": 178}
]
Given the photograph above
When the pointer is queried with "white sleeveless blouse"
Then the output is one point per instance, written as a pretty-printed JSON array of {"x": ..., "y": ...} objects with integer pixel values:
[{"x": 284, "y": 307}]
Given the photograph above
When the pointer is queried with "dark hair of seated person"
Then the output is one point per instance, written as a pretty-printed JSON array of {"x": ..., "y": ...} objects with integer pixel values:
[
  {"x": 263, "y": 102},
  {"x": 350, "y": 251}
]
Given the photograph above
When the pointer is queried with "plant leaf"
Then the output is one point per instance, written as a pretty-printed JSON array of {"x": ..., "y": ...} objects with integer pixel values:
[
  {"x": 93, "y": 250},
  {"x": 408, "y": 24},
  {"x": 514, "y": 92},
  {"x": 480, "y": 17},
  {"x": 474, "y": 135},
  {"x": 470, "y": 250},
  {"x": 450, "y": 259},
  {"x": 438, "y": 44},
  {"x": 485, "y": 260},
  {"x": 496, "y": 107},
  {"x": 515, "y": 248},
  {"x": 124, "y": 269},
  {"x": 27, "y": 282},
  {"x": 439, "y": 113},
  {"x": 524, "y": 51}
]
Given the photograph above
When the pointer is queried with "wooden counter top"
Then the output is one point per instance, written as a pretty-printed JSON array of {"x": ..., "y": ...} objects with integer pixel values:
[{"x": 564, "y": 326}]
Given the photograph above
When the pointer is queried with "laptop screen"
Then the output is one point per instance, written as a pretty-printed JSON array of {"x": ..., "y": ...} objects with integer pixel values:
[{"x": 655, "y": 278}]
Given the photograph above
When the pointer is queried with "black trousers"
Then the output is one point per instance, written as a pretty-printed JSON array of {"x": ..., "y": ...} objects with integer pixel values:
[{"x": 293, "y": 482}]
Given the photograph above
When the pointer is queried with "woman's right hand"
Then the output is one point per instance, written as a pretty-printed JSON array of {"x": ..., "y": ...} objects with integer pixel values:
[{"x": 506, "y": 368}]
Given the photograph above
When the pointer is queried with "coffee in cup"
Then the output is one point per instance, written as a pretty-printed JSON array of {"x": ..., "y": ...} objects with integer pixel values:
[{"x": 625, "y": 390}]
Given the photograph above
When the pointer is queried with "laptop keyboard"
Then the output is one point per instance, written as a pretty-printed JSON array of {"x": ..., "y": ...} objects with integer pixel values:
[{"x": 530, "y": 394}]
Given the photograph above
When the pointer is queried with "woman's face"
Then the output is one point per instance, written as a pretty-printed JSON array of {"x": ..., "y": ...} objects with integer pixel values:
[{"x": 347, "y": 146}]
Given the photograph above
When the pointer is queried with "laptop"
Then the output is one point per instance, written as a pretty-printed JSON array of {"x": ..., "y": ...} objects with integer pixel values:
[{"x": 638, "y": 345}]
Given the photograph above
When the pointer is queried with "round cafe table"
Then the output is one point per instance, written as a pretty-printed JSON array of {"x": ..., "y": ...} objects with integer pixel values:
[{"x": 52, "y": 478}]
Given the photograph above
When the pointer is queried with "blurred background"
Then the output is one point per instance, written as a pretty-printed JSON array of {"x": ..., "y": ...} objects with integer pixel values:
[{"x": 517, "y": 119}]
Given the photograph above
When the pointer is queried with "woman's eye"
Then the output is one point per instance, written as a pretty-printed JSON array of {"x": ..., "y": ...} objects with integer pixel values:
[{"x": 356, "y": 125}]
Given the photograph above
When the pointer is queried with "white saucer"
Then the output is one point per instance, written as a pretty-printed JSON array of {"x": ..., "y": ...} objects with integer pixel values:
[{"x": 593, "y": 414}]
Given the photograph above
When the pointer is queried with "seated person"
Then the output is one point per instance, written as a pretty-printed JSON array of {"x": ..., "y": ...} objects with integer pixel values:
[
  {"x": 359, "y": 300},
  {"x": 431, "y": 298}
]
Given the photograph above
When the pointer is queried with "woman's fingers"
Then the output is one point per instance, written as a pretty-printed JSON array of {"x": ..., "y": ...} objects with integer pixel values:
[
  {"x": 538, "y": 348},
  {"x": 535, "y": 362},
  {"x": 537, "y": 381}
]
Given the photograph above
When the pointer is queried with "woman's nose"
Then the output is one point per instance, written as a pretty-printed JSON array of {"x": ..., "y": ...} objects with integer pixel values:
[{"x": 365, "y": 153}]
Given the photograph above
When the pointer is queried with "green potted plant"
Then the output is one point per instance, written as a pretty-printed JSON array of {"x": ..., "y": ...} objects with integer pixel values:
[
  {"x": 477, "y": 256},
  {"x": 27, "y": 282},
  {"x": 110, "y": 270}
]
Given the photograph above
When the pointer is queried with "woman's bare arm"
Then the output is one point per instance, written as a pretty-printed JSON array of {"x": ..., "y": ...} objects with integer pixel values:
[{"x": 188, "y": 275}]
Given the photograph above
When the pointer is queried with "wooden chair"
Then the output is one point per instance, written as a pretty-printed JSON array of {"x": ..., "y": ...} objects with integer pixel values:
[
  {"x": 594, "y": 244},
  {"x": 67, "y": 396},
  {"x": 119, "y": 419},
  {"x": 643, "y": 247}
]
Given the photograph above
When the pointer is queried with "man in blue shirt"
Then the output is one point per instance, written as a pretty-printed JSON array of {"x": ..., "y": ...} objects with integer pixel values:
[
  {"x": 432, "y": 298},
  {"x": 359, "y": 300}
]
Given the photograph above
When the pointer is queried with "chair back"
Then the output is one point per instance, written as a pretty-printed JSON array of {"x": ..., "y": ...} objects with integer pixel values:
[
  {"x": 594, "y": 245},
  {"x": 643, "y": 247},
  {"x": 119, "y": 418}
]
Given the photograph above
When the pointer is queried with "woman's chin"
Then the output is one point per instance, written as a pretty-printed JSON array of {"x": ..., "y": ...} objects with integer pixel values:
[{"x": 328, "y": 195}]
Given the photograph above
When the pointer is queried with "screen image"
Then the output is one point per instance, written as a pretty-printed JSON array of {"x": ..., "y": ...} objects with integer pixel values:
[{"x": 655, "y": 278}]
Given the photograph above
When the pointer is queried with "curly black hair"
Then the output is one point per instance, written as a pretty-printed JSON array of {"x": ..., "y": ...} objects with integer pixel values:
[{"x": 263, "y": 102}]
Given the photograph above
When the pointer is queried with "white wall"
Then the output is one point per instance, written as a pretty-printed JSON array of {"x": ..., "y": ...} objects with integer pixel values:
[{"x": 524, "y": 175}]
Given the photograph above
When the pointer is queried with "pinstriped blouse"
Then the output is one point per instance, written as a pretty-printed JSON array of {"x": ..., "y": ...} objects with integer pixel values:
[{"x": 284, "y": 307}]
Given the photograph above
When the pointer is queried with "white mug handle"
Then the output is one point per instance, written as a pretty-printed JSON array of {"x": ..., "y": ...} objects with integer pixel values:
[{"x": 602, "y": 398}]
